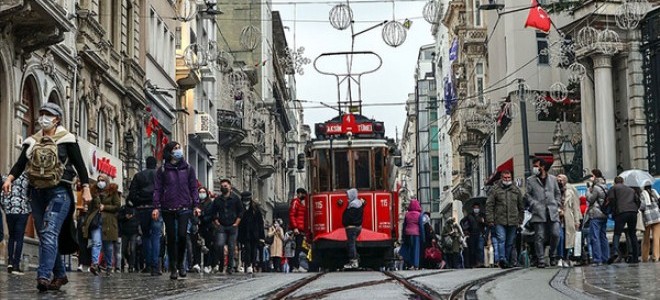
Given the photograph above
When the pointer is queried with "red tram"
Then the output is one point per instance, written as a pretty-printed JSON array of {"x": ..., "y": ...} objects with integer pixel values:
[{"x": 351, "y": 151}]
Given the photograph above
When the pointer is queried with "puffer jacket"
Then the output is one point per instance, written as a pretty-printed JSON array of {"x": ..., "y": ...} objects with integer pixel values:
[
  {"x": 175, "y": 187},
  {"x": 596, "y": 198},
  {"x": 297, "y": 213},
  {"x": 412, "y": 219},
  {"x": 650, "y": 209},
  {"x": 505, "y": 205}
]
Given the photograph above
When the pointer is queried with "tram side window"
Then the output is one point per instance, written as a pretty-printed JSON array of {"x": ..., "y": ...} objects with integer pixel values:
[
  {"x": 341, "y": 170},
  {"x": 324, "y": 171},
  {"x": 379, "y": 172},
  {"x": 362, "y": 170}
]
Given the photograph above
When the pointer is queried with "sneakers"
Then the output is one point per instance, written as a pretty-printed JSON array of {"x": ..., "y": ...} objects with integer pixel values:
[
  {"x": 207, "y": 270},
  {"x": 216, "y": 269},
  {"x": 249, "y": 270},
  {"x": 183, "y": 273},
  {"x": 94, "y": 269},
  {"x": 17, "y": 271},
  {"x": 43, "y": 284},
  {"x": 240, "y": 269},
  {"x": 174, "y": 275},
  {"x": 80, "y": 269},
  {"x": 57, "y": 283},
  {"x": 352, "y": 264},
  {"x": 541, "y": 265},
  {"x": 196, "y": 269},
  {"x": 10, "y": 269}
]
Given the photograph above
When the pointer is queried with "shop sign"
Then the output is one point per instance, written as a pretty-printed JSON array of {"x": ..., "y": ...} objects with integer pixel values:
[{"x": 99, "y": 162}]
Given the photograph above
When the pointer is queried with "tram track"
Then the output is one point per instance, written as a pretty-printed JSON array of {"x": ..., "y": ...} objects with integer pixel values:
[
  {"x": 419, "y": 292},
  {"x": 468, "y": 291}
]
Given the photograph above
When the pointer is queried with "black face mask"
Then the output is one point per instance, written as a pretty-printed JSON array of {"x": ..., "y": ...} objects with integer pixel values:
[
  {"x": 561, "y": 185},
  {"x": 302, "y": 197},
  {"x": 224, "y": 190}
]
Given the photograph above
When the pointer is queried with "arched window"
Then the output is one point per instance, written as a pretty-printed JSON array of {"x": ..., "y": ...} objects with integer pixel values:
[
  {"x": 28, "y": 99},
  {"x": 100, "y": 127},
  {"x": 115, "y": 140},
  {"x": 83, "y": 120}
]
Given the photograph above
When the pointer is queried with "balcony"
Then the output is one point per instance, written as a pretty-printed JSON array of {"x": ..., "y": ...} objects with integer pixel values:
[
  {"x": 471, "y": 145},
  {"x": 35, "y": 23},
  {"x": 230, "y": 128},
  {"x": 206, "y": 128}
]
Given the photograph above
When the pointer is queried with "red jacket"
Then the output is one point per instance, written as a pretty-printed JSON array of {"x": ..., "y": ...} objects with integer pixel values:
[{"x": 297, "y": 215}]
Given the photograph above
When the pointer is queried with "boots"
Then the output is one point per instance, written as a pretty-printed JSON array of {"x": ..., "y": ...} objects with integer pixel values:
[{"x": 174, "y": 275}]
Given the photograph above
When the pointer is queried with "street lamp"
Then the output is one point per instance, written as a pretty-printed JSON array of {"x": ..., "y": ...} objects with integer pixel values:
[{"x": 566, "y": 152}]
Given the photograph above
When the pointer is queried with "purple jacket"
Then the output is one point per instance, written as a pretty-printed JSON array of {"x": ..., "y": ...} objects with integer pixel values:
[{"x": 175, "y": 187}]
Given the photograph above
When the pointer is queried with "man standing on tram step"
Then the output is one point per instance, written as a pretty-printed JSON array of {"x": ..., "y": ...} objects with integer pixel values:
[
  {"x": 52, "y": 195},
  {"x": 352, "y": 221},
  {"x": 141, "y": 195},
  {"x": 227, "y": 211},
  {"x": 297, "y": 221},
  {"x": 176, "y": 198},
  {"x": 504, "y": 213},
  {"x": 250, "y": 231},
  {"x": 544, "y": 196}
]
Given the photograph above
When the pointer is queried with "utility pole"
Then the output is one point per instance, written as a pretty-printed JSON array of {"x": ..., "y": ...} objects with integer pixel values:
[{"x": 523, "y": 124}]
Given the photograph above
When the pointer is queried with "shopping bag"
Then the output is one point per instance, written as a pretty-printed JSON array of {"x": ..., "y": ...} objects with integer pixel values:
[{"x": 577, "y": 249}]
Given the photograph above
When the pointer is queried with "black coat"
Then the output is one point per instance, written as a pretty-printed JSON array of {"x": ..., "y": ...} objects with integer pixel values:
[
  {"x": 252, "y": 225},
  {"x": 141, "y": 192},
  {"x": 353, "y": 216},
  {"x": 128, "y": 227},
  {"x": 227, "y": 209}
]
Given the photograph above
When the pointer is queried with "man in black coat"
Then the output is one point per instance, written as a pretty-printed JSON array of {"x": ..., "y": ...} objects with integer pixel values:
[
  {"x": 250, "y": 231},
  {"x": 227, "y": 214}
]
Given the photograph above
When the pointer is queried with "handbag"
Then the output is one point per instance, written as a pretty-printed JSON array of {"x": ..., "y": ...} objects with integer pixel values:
[{"x": 433, "y": 254}]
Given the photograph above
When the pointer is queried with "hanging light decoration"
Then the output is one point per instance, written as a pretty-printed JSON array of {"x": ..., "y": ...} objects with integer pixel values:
[
  {"x": 341, "y": 16},
  {"x": 577, "y": 72},
  {"x": 294, "y": 61},
  {"x": 558, "y": 92},
  {"x": 431, "y": 10},
  {"x": 587, "y": 37},
  {"x": 195, "y": 56},
  {"x": 541, "y": 104},
  {"x": 224, "y": 61},
  {"x": 630, "y": 13},
  {"x": 394, "y": 34},
  {"x": 250, "y": 37},
  {"x": 526, "y": 93},
  {"x": 186, "y": 10},
  {"x": 607, "y": 41},
  {"x": 511, "y": 110},
  {"x": 238, "y": 79}
]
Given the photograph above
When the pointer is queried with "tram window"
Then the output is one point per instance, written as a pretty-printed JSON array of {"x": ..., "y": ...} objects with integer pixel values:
[
  {"x": 341, "y": 170},
  {"x": 379, "y": 163},
  {"x": 324, "y": 171},
  {"x": 362, "y": 170}
]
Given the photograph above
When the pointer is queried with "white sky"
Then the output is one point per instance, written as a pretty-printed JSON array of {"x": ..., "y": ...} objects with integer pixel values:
[{"x": 390, "y": 84}]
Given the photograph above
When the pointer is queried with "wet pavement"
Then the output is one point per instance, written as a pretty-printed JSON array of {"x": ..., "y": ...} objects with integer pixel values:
[{"x": 618, "y": 281}]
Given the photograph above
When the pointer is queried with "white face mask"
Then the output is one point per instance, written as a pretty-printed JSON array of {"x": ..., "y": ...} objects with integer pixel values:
[
  {"x": 46, "y": 122},
  {"x": 507, "y": 183},
  {"x": 101, "y": 184},
  {"x": 202, "y": 196},
  {"x": 476, "y": 211},
  {"x": 536, "y": 171}
]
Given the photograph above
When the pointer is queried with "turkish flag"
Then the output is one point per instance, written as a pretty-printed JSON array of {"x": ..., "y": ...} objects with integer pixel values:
[{"x": 538, "y": 18}]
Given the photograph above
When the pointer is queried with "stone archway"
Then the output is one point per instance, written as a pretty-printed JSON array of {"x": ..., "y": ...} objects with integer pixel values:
[{"x": 29, "y": 101}]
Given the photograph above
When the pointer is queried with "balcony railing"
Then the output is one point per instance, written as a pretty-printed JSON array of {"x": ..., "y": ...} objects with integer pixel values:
[
  {"x": 230, "y": 127},
  {"x": 35, "y": 23}
]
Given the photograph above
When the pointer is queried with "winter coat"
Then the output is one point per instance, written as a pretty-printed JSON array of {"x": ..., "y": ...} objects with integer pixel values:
[
  {"x": 175, "y": 187},
  {"x": 596, "y": 199},
  {"x": 289, "y": 244},
  {"x": 251, "y": 227},
  {"x": 413, "y": 223},
  {"x": 454, "y": 232},
  {"x": 650, "y": 209},
  {"x": 18, "y": 201},
  {"x": 141, "y": 192},
  {"x": 128, "y": 227},
  {"x": 297, "y": 215},
  {"x": 572, "y": 215},
  {"x": 277, "y": 247},
  {"x": 111, "y": 204},
  {"x": 543, "y": 199},
  {"x": 227, "y": 209},
  {"x": 505, "y": 205},
  {"x": 354, "y": 213},
  {"x": 473, "y": 224},
  {"x": 624, "y": 199}
]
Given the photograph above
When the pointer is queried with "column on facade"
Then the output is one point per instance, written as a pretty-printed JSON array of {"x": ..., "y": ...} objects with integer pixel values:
[
  {"x": 604, "y": 111},
  {"x": 636, "y": 113},
  {"x": 589, "y": 154}
]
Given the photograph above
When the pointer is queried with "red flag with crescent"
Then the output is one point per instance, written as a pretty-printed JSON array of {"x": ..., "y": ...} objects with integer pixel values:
[{"x": 538, "y": 18}]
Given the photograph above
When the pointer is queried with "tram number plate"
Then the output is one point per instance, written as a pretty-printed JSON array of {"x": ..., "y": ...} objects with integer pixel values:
[
  {"x": 384, "y": 225},
  {"x": 384, "y": 202},
  {"x": 318, "y": 204}
]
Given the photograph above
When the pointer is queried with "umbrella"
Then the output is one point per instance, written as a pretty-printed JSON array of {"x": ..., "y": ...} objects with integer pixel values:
[{"x": 636, "y": 178}]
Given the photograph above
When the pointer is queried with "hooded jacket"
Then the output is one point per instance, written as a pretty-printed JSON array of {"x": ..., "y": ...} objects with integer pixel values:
[
  {"x": 412, "y": 219},
  {"x": 297, "y": 213},
  {"x": 175, "y": 187},
  {"x": 355, "y": 211},
  {"x": 111, "y": 205},
  {"x": 596, "y": 199}
]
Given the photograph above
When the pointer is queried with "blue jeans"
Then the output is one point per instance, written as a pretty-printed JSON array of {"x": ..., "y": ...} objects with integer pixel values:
[
  {"x": 352, "y": 234},
  {"x": 225, "y": 235},
  {"x": 152, "y": 231},
  {"x": 600, "y": 247},
  {"x": 97, "y": 241},
  {"x": 562, "y": 242},
  {"x": 505, "y": 237},
  {"x": 16, "y": 224},
  {"x": 50, "y": 208}
]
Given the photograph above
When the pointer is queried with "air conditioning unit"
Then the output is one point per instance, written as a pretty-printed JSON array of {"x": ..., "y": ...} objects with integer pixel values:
[{"x": 206, "y": 128}]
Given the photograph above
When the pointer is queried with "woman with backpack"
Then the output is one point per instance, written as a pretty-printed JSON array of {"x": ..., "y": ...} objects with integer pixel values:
[
  {"x": 651, "y": 217},
  {"x": 176, "y": 197},
  {"x": 101, "y": 225},
  {"x": 52, "y": 194}
]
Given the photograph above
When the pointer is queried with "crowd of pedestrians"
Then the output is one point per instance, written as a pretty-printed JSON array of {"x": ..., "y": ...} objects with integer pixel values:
[{"x": 168, "y": 221}]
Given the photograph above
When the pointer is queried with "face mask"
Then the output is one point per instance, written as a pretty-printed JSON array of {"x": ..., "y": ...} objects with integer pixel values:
[
  {"x": 246, "y": 204},
  {"x": 177, "y": 154},
  {"x": 561, "y": 184},
  {"x": 536, "y": 171},
  {"x": 101, "y": 184},
  {"x": 224, "y": 190},
  {"x": 46, "y": 122},
  {"x": 202, "y": 196},
  {"x": 476, "y": 210},
  {"x": 302, "y": 197},
  {"x": 507, "y": 183}
]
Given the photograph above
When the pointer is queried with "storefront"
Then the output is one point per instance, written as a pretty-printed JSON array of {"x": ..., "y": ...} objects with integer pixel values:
[{"x": 99, "y": 162}]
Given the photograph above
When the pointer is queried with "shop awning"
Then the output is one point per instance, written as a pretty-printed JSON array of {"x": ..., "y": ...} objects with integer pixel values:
[{"x": 505, "y": 166}]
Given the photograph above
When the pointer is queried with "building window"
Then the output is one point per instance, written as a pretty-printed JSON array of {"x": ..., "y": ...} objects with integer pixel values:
[
  {"x": 115, "y": 139},
  {"x": 100, "y": 127},
  {"x": 434, "y": 137},
  {"x": 177, "y": 37},
  {"x": 435, "y": 199},
  {"x": 435, "y": 168},
  {"x": 477, "y": 13},
  {"x": 83, "y": 122},
  {"x": 130, "y": 15},
  {"x": 542, "y": 48}
]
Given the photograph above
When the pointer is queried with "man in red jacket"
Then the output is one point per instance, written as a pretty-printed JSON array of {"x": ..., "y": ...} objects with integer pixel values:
[{"x": 297, "y": 218}]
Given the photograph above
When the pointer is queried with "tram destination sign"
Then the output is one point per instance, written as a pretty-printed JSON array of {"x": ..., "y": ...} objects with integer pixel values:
[{"x": 338, "y": 128}]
